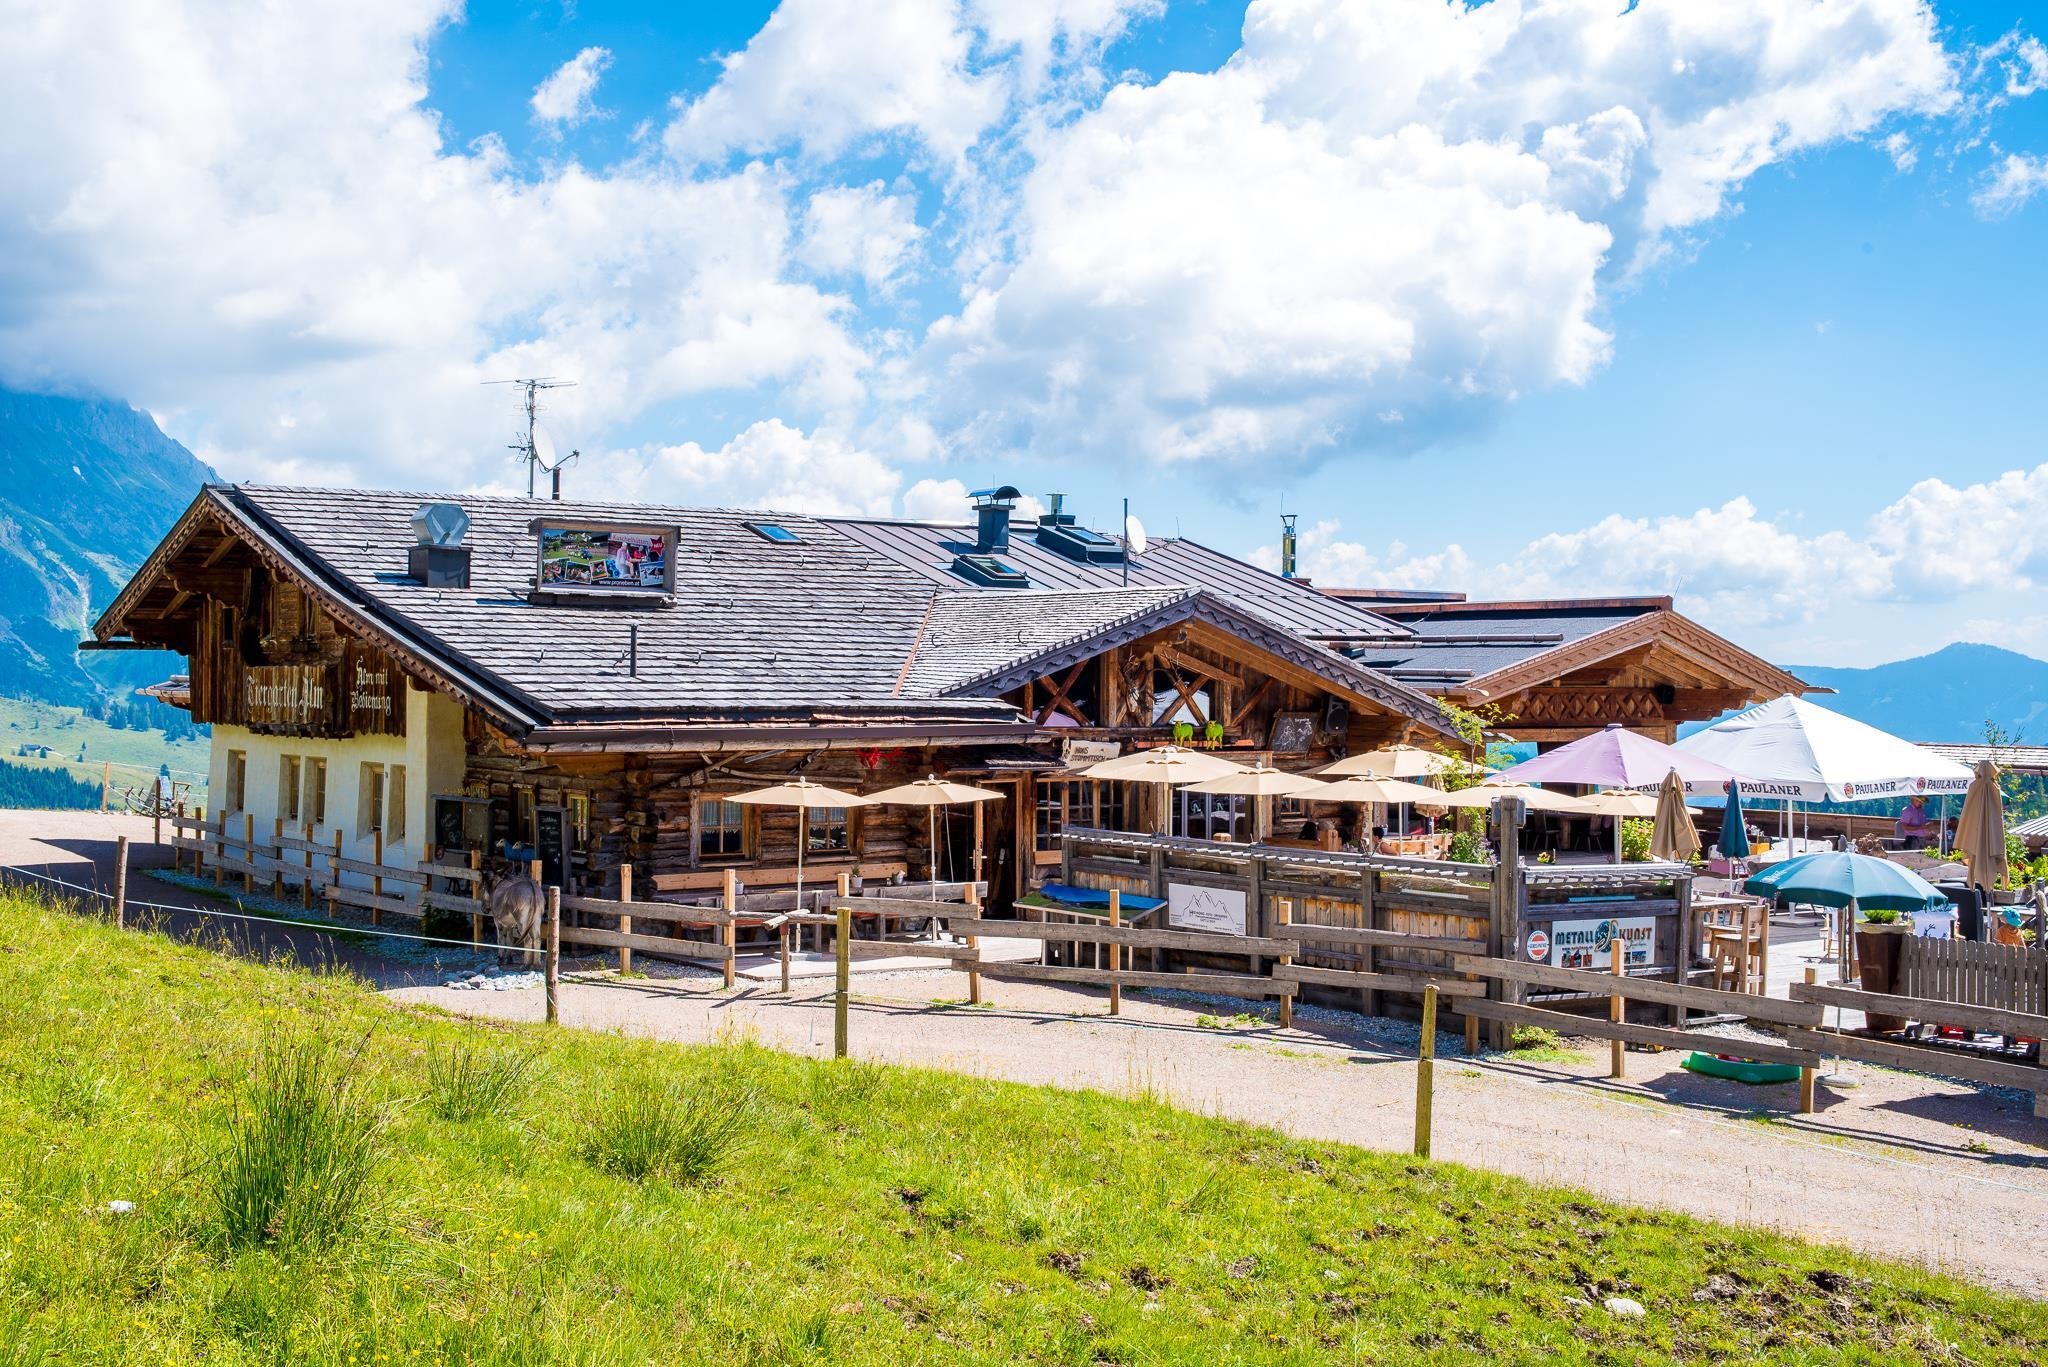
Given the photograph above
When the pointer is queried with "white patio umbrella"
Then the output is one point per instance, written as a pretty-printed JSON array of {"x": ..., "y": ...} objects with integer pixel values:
[
  {"x": 1164, "y": 765},
  {"x": 806, "y": 797},
  {"x": 1790, "y": 750},
  {"x": 1259, "y": 782},
  {"x": 932, "y": 793}
]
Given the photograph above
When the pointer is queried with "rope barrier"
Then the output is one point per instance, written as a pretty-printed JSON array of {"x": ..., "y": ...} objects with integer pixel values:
[{"x": 330, "y": 927}]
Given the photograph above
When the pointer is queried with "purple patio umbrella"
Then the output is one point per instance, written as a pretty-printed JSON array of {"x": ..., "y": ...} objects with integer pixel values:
[{"x": 1615, "y": 757}]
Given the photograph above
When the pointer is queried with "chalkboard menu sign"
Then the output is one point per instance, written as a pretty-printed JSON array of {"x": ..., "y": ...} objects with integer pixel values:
[{"x": 551, "y": 844}]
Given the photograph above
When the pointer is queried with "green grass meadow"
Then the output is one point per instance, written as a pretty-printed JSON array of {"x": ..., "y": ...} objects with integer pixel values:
[{"x": 322, "y": 1177}]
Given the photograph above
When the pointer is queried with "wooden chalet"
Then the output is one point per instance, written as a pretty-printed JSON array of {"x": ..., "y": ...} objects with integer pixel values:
[
  {"x": 1564, "y": 668},
  {"x": 588, "y": 684}
]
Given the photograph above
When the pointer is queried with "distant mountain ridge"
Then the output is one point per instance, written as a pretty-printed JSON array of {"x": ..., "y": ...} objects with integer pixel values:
[
  {"x": 91, "y": 486},
  {"x": 1946, "y": 696}
]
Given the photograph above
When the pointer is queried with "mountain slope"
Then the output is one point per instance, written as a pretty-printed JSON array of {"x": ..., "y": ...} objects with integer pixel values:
[
  {"x": 1946, "y": 696},
  {"x": 91, "y": 486}
]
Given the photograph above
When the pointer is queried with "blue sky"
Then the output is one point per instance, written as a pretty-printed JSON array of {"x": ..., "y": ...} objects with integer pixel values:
[{"x": 1704, "y": 323}]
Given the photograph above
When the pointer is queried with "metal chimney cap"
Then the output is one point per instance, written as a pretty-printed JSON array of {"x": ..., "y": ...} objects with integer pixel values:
[{"x": 439, "y": 524}]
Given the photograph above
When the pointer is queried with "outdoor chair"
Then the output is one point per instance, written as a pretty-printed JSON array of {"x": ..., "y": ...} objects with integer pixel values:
[{"x": 1738, "y": 941}]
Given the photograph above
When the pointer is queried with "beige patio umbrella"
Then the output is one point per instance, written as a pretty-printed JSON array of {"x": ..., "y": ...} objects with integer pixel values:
[
  {"x": 1980, "y": 830},
  {"x": 1387, "y": 791},
  {"x": 1164, "y": 765},
  {"x": 932, "y": 793},
  {"x": 1258, "y": 783},
  {"x": 1389, "y": 761},
  {"x": 805, "y": 796},
  {"x": 1619, "y": 803},
  {"x": 1673, "y": 837}
]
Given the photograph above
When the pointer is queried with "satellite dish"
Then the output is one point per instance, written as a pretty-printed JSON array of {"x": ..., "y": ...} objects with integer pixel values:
[
  {"x": 544, "y": 447},
  {"x": 1134, "y": 535}
]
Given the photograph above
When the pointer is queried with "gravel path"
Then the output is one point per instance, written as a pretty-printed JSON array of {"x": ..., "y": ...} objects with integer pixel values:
[{"x": 1899, "y": 1166}]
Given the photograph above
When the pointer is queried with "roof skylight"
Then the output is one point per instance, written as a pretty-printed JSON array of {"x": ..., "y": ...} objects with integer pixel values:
[{"x": 771, "y": 531}]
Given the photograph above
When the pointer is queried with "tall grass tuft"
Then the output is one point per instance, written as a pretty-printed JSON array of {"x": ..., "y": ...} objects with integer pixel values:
[
  {"x": 296, "y": 1168},
  {"x": 657, "y": 1130},
  {"x": 470, "y": 1083}
]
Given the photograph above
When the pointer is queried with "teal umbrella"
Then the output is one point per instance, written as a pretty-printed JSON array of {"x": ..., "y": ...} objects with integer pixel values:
[
  {"x": 1734, "y": 829},
  {"x": 1835, "y": 878}
]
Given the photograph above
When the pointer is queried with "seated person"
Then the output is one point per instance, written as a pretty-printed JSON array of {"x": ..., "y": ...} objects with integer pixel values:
[{"x": 1914, "y": 823}]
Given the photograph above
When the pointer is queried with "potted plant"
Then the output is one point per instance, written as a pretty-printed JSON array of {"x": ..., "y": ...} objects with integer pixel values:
[{"x": 1880, "y": 935}]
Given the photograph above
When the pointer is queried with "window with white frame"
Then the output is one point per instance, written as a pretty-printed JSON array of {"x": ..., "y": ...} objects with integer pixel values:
[
  {"x": 238, "y": 780},
  {"x": 315, "y": 806},
  {"x": 370, "y": 799},
  {"x": 288, "y": 788}
]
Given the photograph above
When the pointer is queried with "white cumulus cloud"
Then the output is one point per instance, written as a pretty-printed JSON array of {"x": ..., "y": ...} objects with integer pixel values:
[
  {"x": 859, "y": 230},
  {"x": 1388, "y": 206},
  {"x": 569, "y": 95},
  {"x": 773, "y": 465},
  {"x": 2011, "y": 184}
]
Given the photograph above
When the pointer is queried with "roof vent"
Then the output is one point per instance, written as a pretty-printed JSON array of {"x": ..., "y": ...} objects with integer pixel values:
[
  {"x": 1058, "y": 516},
  {"x": 438, "y": 558},
  {"x": 992, "y": 512}
]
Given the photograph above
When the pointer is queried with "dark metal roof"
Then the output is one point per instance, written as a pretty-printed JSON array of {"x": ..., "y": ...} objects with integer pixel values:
[
  {"x": 1449, "y": 648},
  {"x": 927, "y": 549}
]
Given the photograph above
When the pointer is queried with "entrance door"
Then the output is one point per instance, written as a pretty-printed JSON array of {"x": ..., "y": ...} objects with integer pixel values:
[{"x": 1000, "y": 849}]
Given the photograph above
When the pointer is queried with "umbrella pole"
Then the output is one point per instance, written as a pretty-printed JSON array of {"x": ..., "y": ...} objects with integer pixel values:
[{"x": 931, "y": 817}]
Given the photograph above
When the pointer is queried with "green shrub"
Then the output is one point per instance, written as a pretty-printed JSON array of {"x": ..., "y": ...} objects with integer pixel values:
[
  {"x": 469, "y": 1083},
  {"x": 1635, "y": 838},
  {"x": 300, "y": 1151},
  {"x": 655, "y": 1130},
  {"x": 1881, "y": 916},
  {"x": 1466, "y": 849},
  {"x": 1524, "y": 1037}
]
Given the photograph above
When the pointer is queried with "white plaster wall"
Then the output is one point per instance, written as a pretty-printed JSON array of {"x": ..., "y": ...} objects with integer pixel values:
[{"x": 431, "y": 750}]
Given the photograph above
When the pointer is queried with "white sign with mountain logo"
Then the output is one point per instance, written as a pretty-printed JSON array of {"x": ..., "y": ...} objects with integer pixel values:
[{"x": 1214, "y": 909}]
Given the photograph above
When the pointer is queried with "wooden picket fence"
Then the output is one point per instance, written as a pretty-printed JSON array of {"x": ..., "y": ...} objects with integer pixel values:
[{"x": 1974, "y": 973}]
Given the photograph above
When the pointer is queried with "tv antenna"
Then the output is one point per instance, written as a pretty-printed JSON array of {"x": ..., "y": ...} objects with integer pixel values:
[{"x": 538, "y": 450}]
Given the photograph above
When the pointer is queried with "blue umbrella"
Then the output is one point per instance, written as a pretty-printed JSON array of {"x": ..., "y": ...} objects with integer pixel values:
[
  {"x": 1835, "y": 878},
  {"x": 1734, "y": 829}
]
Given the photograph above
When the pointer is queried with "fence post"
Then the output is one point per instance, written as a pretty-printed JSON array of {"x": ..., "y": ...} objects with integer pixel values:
[
  {"x": 476, "y": 894},
  {"x": 377, "y": 879},
  {"x": 120, "y": 881},
  {"x": 842, "y": 950},
  {"x": 625, "y": 917},
  {"x": 248, "y": 851},
  {"x": 156, "y": 821},
  {"x": 1807, "y": 1075},
  {"x": 277, "y": 858},
  {"x": 553, "y": 970},
  {"x": 729, "y": 933},
  {"x": 1616, "y": 1007},
  {"x": 334, "y": 879},
  {"x": 306, "y": 879},
  {"x": 1425, "y": 1072},
  {"x": 974, "y": 942},
  {"x": 177, "y": 834},
  {"x": 106, "y": 784},
  {"x": 782, "y": 939},
  {"x": 1283, "y": 915},
  {"x": 220, "y": 843},
  {"x": 1116, "y": 954}
]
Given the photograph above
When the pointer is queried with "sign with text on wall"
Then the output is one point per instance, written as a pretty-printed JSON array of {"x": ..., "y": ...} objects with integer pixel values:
[
  {"x": 1220, "y": 910},
  {"x": 1590, "y": 944}
]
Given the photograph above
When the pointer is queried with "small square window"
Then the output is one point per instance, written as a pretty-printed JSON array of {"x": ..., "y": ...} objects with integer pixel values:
[{"x": 770, "y": 531}]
